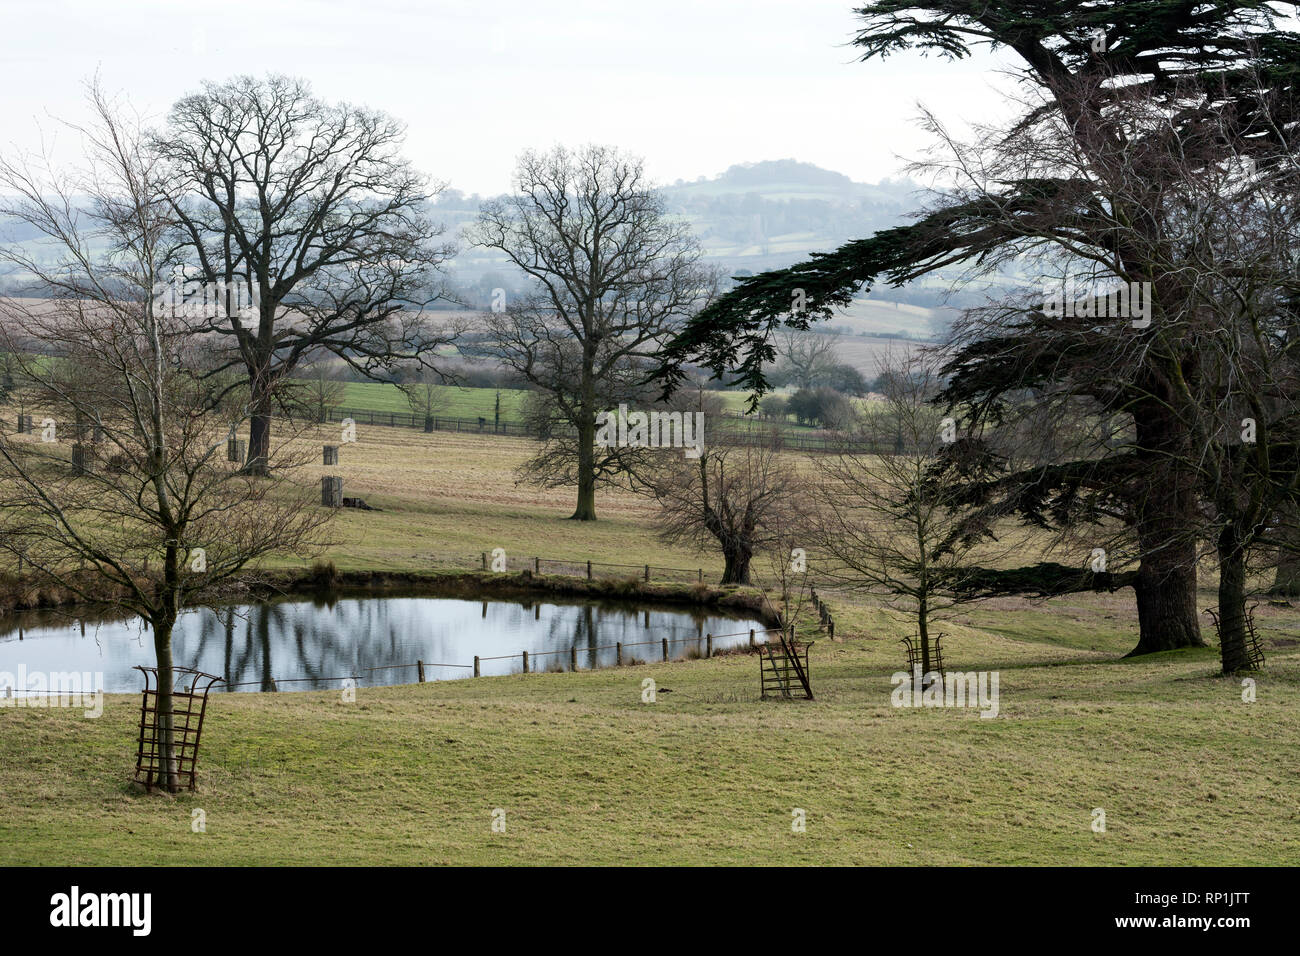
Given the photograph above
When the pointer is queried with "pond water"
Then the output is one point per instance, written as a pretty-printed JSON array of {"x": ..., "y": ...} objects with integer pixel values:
[{"x": 315, "y": 644}]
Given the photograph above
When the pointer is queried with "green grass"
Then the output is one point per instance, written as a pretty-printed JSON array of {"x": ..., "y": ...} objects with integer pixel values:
[
  {"x": 1186, "y": 772},
  {"x": 455, "y": 402},
  {"x": 474, "y": 403},
  {"x": 587, "y": 773}
]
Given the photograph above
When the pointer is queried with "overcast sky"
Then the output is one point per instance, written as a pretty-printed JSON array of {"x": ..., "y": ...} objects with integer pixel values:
[{"x": 692, "y": 85}]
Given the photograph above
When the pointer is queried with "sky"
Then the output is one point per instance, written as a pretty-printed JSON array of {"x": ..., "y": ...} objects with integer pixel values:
[{"x": 694, "y": 86}]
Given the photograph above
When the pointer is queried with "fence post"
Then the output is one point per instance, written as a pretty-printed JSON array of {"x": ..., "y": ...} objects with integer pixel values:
[
  {"x": 665, "y": 648},
  {"x": 537, "y": 565},
  {"x": 331, "y": 491},
  {"x": 573, "y": 658},
  {"x": 420, "y": 667},
  {"x": 588, "y": 570},
  {"x": 647, "y": 572},
  {"x": 830, "y": 628},
  {"x": 619, "y": 651},
  {"x": 751, "y": 637},
  {"x": 525, "y": 662},
  {"x": 476, "y": 665},
  {"x": 708, "y": 647},
  {"x": 484, "y": 560},
  {"x": 700, "y": 575}
]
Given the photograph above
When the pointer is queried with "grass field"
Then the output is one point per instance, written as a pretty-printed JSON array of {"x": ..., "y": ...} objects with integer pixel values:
[
  {"x": 454, "y": 401},
  {"x": 457, "y": 402},
  {"x": 1185, "y": 771}
]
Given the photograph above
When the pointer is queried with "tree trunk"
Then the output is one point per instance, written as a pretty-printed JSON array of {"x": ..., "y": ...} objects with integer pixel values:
[
  {"x": 168, "y": 775},
  {"x": 1286, "y": 582},
  {"x": 1232, "y": 601},
  {"x": 923, "y": 629},
  {"x": 736, "y": 569},
  {"x": 259, "y": 428},
  {"x": 1166, "y": 602},
  {"x": 1166, "y": 579},
  {"x": 586, "y": 510}
]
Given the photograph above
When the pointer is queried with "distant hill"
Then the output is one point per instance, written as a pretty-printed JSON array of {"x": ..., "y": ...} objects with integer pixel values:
[
  {"x": 765, "y": 215},
  {"x": 790, "y": 179},
  {"x": 750, "y": 218}
]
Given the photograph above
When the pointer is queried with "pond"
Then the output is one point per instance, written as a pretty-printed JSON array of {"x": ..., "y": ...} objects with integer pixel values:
[{"x": 313, "y": 644}]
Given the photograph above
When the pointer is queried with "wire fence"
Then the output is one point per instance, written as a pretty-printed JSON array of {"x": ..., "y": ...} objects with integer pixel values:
[
  {"x": 736, "y": 429},
  {"x": 442, "y": 423},
  {"x": 501, "y": 561},
  {"x": 528, "y": 660}
]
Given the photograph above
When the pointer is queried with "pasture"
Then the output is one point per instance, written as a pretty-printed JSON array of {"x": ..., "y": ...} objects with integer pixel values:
[{"x": 1185, "y": 771}]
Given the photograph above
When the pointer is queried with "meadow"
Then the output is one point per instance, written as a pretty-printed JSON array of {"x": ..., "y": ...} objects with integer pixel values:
[{"x": 1184, "y": 769}]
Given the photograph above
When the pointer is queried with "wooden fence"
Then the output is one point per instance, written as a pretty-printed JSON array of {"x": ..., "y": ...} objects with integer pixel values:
[{"x": 592, "y": 570}]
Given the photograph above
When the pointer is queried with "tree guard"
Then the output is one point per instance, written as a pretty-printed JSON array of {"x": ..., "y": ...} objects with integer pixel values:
[
  {"x": 188, "y": 708},
  {"x": 916, "y": 658}
]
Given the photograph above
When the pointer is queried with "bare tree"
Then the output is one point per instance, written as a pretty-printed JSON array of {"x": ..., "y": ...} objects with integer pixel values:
[
  {"x": 423, "y": 388},
  {"x": 612, "y": 274},
  {"x": 738, "y": 499},
  {"x": 109, "y": 361},
  {"x": 317, "y": 390},
  {"x": 894, "y": 525},
  {"x": 308, "y": 214},
  {"x": 807, "y": 356}
]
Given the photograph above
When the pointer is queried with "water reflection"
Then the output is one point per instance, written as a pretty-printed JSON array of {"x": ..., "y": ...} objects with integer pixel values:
[{"x": 311, "y": 644}]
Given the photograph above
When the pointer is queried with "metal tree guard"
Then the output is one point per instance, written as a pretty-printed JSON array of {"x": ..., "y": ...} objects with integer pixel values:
[
  {"x": 1254, "y": 653},
  {"x": 189, "y": 705},
  {"x": 916, "y": 659}
]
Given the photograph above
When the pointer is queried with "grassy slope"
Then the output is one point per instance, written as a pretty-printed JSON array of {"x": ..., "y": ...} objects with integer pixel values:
[{"x": 1185, "y": 771}]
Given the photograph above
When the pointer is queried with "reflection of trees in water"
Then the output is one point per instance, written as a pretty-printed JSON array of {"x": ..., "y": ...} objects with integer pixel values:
[{"x": 252, "y": 645}]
